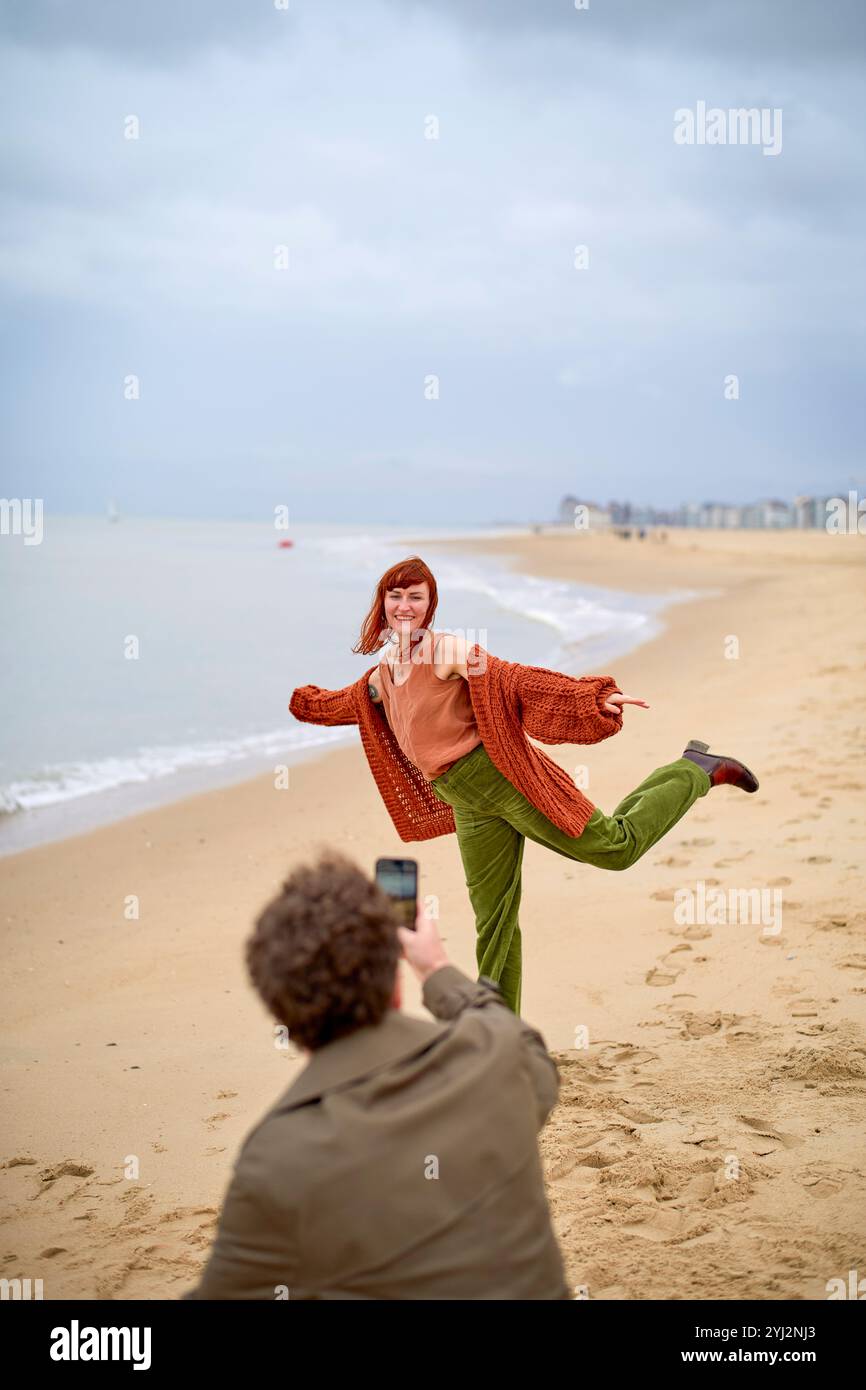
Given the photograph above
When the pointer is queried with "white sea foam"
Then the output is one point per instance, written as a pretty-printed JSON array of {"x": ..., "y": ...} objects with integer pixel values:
[
  {"x": 68, "y": 781},
  {"x": 237, "y": 672},
  {"x": 577, "y": 613}
]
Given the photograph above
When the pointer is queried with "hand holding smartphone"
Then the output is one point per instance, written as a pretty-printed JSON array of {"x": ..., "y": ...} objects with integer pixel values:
[
  {"x": 424, "y": 950},
  {"x": 399, "y": 879}
]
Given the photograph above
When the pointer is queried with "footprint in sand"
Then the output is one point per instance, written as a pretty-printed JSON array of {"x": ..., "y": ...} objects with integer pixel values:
[
  {"x": 639, "y": 1116},
  {"x": 661, "y": 1225},
  {"x": 700, "y": 1025},
  {"x": 609, "y": 1152},
  {"x": 818, "y": 859},
  {"x": 842, "y": 923},
  {"x": 615, "y": 1054},
  {"x": 766, "y": 1130},
  {"x": 68, "y": 1168},
  {"x": 660, "y": 978},
  {"x": 203, "y": 1231},
  {"x": 213, "y": 1120},
  {"x": 821, "y": 1180},
  {"x": 803, "y": 1007},
  {"x": 668, "y": 971},
  {"x": 693, "y": 1024}
]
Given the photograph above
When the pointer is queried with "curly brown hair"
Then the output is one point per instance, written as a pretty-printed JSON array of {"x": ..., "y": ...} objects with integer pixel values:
[{"x": 323, "y": 953}]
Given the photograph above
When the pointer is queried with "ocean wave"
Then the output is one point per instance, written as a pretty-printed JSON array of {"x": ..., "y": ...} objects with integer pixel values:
[
  {"x": 578, "y": 613},
  {"x": 60, "y": 782},
  {"x": 588, "y": 623}
]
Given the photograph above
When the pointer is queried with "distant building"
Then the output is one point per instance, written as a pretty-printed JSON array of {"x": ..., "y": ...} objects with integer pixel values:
[
  {"x": 811, "y": 512},
  {"x": 777, "y": 514},
  {"x": 583, "y": 515},
  {"x": 766, "y": 514}
]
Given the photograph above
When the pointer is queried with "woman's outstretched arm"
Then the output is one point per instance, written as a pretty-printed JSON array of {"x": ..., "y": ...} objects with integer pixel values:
[
  {"x": 315, "y": 705},
  {"x": 554, "y": 708}
]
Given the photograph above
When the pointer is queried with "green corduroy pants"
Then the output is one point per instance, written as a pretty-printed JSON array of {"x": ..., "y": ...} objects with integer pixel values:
[{"x": 493, "y": 820}]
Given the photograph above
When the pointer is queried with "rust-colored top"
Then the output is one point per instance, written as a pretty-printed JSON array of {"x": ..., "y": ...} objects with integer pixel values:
[
  {"x": 510, "y": 702},
  {"x": 432, "y": 719}
]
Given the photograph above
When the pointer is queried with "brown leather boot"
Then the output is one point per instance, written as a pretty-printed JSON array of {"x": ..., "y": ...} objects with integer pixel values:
[{"x": 720, "y": 768}]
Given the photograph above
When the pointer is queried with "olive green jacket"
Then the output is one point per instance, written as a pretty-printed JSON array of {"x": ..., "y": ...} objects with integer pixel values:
[{"x": 402, "y": 1163}]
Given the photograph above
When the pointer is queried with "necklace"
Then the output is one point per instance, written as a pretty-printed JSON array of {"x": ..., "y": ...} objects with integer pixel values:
[{"x": 397, "y": 659}]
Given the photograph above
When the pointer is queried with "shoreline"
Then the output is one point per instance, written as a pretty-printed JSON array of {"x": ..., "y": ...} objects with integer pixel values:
[
  {"x": 74, "y": 815},
  {"x": 704, "y": 1041}
]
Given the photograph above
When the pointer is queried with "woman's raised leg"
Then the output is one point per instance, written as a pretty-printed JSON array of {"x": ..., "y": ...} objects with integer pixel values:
[{"x": 609, "y": 842}]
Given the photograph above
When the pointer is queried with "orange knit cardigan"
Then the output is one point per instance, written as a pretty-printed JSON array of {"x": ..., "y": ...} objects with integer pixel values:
[{"x": 509, "y": 701}]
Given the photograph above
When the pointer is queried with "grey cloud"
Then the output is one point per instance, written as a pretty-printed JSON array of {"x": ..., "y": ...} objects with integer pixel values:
[
  {"x": 409, "y": 257},
  {"x": 775, "y": 31},
  {"x": 141, "y": 31}
]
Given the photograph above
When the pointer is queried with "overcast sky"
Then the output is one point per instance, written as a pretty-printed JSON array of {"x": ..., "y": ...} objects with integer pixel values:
[{"x": 409, "y": 257}]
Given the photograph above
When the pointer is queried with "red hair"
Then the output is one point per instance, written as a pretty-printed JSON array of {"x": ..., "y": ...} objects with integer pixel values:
[{"x": 401, "y": 576}]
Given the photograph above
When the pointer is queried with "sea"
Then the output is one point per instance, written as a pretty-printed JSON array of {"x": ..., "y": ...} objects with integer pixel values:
[{"x": 146, "y": 660}]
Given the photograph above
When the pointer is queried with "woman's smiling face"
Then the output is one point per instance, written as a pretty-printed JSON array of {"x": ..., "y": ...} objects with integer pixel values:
[{"x": 406, "y": 608}]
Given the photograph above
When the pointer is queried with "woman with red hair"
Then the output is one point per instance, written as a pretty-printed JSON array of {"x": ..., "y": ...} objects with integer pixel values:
[{"x": 444, "y": 725}]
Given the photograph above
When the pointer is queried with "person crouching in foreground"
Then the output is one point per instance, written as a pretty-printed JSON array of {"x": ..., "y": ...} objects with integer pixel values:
[{"x": 402, "y": 1163}]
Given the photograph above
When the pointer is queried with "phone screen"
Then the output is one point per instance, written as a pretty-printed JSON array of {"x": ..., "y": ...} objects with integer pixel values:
[{"x": 399, "y": 879}]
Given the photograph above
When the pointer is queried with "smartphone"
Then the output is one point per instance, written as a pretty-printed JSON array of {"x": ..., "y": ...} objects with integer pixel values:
[{"x": 399, "y": 879}]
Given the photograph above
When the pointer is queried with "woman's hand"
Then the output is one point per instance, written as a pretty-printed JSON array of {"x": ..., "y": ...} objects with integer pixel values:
[{"x": 613, "y": 702}]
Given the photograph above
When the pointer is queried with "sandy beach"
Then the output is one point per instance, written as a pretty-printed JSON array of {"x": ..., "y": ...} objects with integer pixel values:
[{"x": 708, "y": 1142}]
